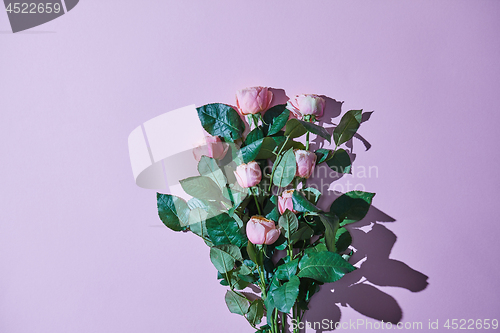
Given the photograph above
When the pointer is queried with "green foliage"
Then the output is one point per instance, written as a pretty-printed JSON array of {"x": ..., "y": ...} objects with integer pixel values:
[
  {"x": 285, "y": 170},
  {"x": 301, "y": 204},
  {"x": 352, "y": 206},
  {"x": 223, "y": 229},
  {"x": 236, "y": 303},
  {"x": 324, "y": 266},
  {"x": 315, "y": 241},
  {"x": 221, "y": 120},
  {"x": 340, "y": 161},
  {"x": 173, "y": 211},
  {"x": 347, "y": 127},
  {"x": 289, "y": 222}
]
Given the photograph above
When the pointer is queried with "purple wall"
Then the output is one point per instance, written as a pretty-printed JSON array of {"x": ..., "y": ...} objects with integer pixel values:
[{"x": 81, "y": 246}]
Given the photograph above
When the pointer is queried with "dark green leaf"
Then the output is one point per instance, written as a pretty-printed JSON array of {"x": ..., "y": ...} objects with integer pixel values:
[
  {"x": 352, "y": 206},
  {"x": 303, "y": 233},
  {"x": 267, "y": 148},
  {"x": 254, "y": 135},
  {"x": 279, "y": 122},
  {"x": 347, "y": 127},
  {"x": 173, "y": 211},
  {"x": 320, "y": 247},
  {"x": 236, "y": 303},
  {"x": 331, "y": 223},
  {"x": 289, "y": 222},
  {"x": 284, "y": 297},
  {"x": 224, "y": 257},
  {"x": 222, "y": 229},
  {"x": 285, "y": 170},
  {"x": 343, "y": 239},
  {"x": 301, "y": 204},
  {"x": 318, "y": 130},
  {"x": 340, "y": 161},
  {"x": 221, "y": 120},
  {"x": 294, "y": 128},
  {"x": 255, "y": 312},
  {"x": 286, "y": 271},
  {"x": 251, "y": 151},
  {"x": 324, "y": 266},
  {"x": 201, "y": 187},
  {"x": 208, "y": 167},
  {"x": 254, "y": 254}
]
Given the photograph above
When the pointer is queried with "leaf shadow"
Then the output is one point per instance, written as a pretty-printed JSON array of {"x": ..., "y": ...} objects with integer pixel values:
[{"x": 358, "y": 290}]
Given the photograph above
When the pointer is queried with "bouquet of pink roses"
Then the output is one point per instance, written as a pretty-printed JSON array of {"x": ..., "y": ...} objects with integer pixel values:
[{"x": 251, "y": 204}]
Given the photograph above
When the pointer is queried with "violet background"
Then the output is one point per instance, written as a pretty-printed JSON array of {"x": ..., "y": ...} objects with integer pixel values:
[{"x": 81, "y": 246}]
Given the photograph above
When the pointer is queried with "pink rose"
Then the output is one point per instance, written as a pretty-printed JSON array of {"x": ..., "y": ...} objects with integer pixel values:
[
  {"x": 306, "y": 160},
  {"x": 253, "y": 100},
  {"x": 285, "y": 202},
  {"x": 212, "y": 146},
  {"x": 307, "y": 104},
  {"x": 248, "y": 175},
  {"x": 262, "y": 231}
]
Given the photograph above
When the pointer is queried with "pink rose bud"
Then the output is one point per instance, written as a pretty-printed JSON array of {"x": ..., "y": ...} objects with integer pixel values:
[
  {"x": 262, "y": 231},
  {"x": 212, "y": 146},
  {"x": 253, "y": 100},
  {"x": 306, "y": 160},
  {"x": 285, "y": 202},
  {"x": 248, "y": 175},
  {"x": 308, "y": 104}
]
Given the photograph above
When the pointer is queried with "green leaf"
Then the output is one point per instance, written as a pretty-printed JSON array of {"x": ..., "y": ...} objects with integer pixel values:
[
  {"x": 267, "y": 149},
  {"x": 286, "y": 271},
  {"x": 340, "y": 161},
  {"x": 318, "y": 130},
  {"x": 331, "y": 223},
  {"x": 254, "y": 254},
  {"x": 254, "y": 135},
  {"x": 294, "y": 128},
  {"x": 284, "y": 297},
  {"x": 343, "y": 239},
  {"x": 208, "y": 167},
  {"x": 312, "y": 195},
  {"x": 222, "y": 229},
  {"x": 255, "y": 312},
  {"x": 278, "y": 122},
  {"x": 197, "y": 215},
  {"x": 347, "y": 127},
  {"x": 221, "y": 120},
  {"x": 236, "y": 303},
  {"x": 201, "y": 187},
  {"x": 285, "y": 170},
  {"x": 301, "y": 204},
  {"x": 173, "y": 211},
  {"x": 323, "y": 155},
  {"x": 289, "y": 222},
  {"x": 303, "y": 233},
  {"x": 320, "y": 247},
  {"x": 251, "y": 151},
  {"x": 224, "y": 257},
  {"x": 324, "y": 266},
  {"x": 352, "y": 206}
]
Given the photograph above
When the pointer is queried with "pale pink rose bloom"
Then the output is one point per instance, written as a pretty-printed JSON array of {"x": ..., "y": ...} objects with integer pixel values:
[
  {"x": 211, "y": 146},
  {"x": 249, "y": 174},
  {"x": 307, "y": 104},
  {"x": 285, "y": 202},
  {"x": 306, "y": 160},
  {"x": 253, "y": 100},
  {"x": 262, "y": 231}
]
